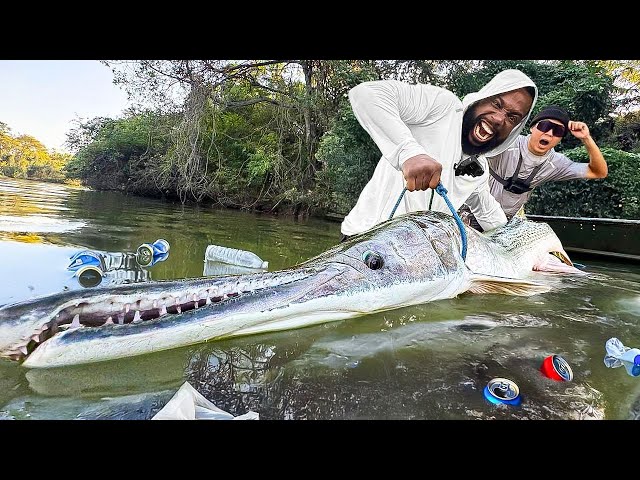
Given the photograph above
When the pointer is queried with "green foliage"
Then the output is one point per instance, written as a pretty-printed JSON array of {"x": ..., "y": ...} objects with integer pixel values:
[
  {"x": 626, "y": 75},
  {"x": 626, "y": 132},
  {"x": 118, "y": 154},
  {"x": 25, "y": 157},
  {"x": 281, "y": 135},
  {"x": 472, "y": 77},
  {"x": 350, "y": 157},
  {"x": 583, "y": 88},
  {"x": 585, "y": 91},
  {"x": 616, "y": 196}
]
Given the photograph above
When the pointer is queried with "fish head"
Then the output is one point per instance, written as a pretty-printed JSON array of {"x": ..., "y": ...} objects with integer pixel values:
[
  {"x": 532, "y": 246},
  {"x": 408, "y": 260}
]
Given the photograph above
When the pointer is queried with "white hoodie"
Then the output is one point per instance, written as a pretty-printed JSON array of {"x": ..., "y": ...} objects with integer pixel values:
[{"x": 405, "y": 120}]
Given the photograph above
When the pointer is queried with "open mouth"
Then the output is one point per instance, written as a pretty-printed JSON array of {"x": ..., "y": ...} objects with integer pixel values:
[
  {"x": 142, "y": 306},
  {"x": 562, "y": 257},
  {"x": 483, "y": 131},
  {"x": 69, "y": 318}
]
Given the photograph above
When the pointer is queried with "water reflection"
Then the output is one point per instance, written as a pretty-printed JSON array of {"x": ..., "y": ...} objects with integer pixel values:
[
  {"x": 127, "y": 376},
  {"x": 429, "y": 361}
]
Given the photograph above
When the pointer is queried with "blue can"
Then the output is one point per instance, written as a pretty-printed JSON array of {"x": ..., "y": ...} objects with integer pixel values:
[
  {"x": 502, "y": 390},
  {"x": 145, "y": 261},
  {"x": 86, "y": 258},
  {"x": 149, "y": 253}
]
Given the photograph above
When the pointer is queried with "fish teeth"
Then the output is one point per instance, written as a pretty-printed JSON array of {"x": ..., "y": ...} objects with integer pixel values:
[
  {"x": 136, "y": 317},
  {"x": 76, "y": 321}
]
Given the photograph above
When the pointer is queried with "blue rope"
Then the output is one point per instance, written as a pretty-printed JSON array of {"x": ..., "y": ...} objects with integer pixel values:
[
  {"x": 463, "y": 233},
  {"x": 443, "y": 193},
  {"x": 397, "y": 203}
]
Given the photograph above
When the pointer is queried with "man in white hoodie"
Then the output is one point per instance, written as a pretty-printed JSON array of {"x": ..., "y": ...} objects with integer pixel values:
[{"x": 426, "y": 136}]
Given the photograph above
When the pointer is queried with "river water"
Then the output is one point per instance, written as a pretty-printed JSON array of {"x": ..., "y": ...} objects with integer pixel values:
[{"x": 430, "y": 361}]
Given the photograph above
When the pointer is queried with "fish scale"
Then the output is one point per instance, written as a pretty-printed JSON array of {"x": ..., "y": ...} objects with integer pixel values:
[{"x": 418, "y": 261}]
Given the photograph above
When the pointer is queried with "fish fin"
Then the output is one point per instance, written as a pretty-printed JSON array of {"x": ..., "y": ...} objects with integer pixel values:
[{"x": 506, "y": 286}]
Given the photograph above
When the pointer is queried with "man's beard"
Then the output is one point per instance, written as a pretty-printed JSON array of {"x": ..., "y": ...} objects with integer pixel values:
[{"x": 468, "y": 122}]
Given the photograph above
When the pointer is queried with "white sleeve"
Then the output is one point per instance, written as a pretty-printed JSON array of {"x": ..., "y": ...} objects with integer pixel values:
[
  {"x": 385, "y": 108},
  {"x": 486, "y": 208}
]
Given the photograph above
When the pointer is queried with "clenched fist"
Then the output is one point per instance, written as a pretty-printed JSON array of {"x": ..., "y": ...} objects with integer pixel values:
[
  {"x": 579, "y": 129},
  {"x": 421, "y": 172}
]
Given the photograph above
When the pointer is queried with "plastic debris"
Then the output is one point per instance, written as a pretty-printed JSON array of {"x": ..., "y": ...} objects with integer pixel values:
[
  {"x": 234, "y": 256},
  {"x": 189, "y": 404},
  {"x": 618, "y": 356}
]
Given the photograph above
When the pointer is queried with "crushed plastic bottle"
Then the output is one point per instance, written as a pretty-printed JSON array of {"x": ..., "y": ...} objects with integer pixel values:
[
  {"x": 219, "y": 268},
  {"x": 234, "y": 256},
  {"x": 618, "y": 355}
]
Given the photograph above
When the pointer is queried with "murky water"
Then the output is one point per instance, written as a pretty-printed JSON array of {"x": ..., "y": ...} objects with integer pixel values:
[{"x": 426, "y": 362}]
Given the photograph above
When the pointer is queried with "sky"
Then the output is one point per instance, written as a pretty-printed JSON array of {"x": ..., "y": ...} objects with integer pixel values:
[{"x": 41, "y": 98}]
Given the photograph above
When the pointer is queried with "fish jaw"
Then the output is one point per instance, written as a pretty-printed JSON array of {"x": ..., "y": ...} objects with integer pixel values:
[
  {"x": 422, "y": 263},
  {"x": 280, "y": 309},
  {"x": 557, "y": 262}
]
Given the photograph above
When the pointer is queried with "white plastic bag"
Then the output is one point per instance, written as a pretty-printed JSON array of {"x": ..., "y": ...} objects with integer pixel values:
[{"x": 189, "y": 404}]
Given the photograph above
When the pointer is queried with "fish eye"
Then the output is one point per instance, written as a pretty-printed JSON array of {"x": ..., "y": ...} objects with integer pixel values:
[{"x": 373, "y": 260}]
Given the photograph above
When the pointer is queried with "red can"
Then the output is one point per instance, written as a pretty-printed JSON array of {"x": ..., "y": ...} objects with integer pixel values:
[{"x": 557, "y": 368}]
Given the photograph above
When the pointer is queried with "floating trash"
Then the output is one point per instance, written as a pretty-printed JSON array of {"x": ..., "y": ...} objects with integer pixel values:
[
  {"x": 502, "y": 390},
  {"x": 620, "y": 356},
  {"x": 556, "y": 368},
  {"x": 85, "y": 258},
  {"x": 221, "y": 268},
  {"x": 148, "y": 254},
  {"x": 89, "y": 276},
  {"x": 189, "y": 404},
  {"x": 234, "y": 256}
]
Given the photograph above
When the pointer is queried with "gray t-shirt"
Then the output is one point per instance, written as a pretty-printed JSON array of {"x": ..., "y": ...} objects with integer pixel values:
[{"x": 555, "y": 167}]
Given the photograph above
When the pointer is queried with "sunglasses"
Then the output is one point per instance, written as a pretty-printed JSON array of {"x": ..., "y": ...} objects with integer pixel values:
[{"x": 546, "y": 125}]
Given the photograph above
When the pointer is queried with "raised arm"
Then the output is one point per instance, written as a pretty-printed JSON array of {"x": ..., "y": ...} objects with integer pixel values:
[
  {"x": 597, "y": 164},
  {"x": 386, "y": 109}
]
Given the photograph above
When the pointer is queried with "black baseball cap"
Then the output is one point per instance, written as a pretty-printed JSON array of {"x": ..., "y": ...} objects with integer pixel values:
[{"x": 553, "y": 112}]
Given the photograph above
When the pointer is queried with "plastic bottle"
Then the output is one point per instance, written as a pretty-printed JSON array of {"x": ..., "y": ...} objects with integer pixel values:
[
  {"x": 233, "y": 256},
  {"x": 618, "y": 355}
]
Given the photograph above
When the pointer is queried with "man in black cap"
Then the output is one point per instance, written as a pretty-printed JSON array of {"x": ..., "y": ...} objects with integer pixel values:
[{"x": 531, "y": 161}]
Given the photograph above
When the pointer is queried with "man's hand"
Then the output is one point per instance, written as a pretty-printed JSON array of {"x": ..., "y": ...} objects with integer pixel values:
[
  {"x": 421, "y": 172},
  {"x": 579, "y": 129}
]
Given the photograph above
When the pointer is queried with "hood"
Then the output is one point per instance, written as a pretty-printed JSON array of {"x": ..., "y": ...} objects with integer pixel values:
[{"x": 504, "y": 81}]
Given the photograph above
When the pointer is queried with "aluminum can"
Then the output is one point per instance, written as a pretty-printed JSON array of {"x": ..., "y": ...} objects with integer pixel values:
[
  {"x": 147, "y": 252},
  {"x": 502, "y": 390},
  {"x": 89, "y": 276},
  {"x": 86, "y": 258},
  {"x": 557, "y": 368}
]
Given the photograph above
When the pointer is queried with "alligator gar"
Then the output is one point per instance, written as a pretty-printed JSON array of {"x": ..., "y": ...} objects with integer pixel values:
[{"x": 408, "y": 260}]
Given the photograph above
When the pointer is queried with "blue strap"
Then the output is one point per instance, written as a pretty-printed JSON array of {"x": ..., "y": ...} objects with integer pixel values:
[
  {"x": 443, "y": 193},
  {"x": 463, "y": 233}
]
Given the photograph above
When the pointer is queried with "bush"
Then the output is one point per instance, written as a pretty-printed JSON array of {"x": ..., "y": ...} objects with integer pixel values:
[{"x": 616, "y": 196}]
